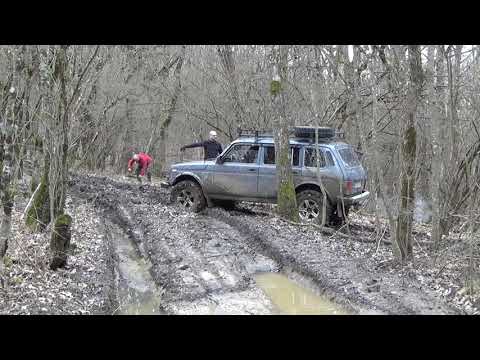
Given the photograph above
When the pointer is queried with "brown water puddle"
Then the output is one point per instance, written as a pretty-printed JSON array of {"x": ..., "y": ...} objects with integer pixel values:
[
  {"x": 292, "y": 299},
  {"x": 136, "y": 290}
]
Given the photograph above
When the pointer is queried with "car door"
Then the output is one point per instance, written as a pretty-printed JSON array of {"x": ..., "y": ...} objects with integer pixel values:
[
  {"x": 267, "y": 173},
  {"x": 237, "y": 175}
]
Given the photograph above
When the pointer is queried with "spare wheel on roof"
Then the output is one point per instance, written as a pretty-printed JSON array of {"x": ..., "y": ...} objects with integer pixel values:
[{"x": 309, "y": 132}]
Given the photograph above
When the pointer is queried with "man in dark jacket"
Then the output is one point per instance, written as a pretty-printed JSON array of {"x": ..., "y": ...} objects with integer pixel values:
[{"x": 211, "y": 147}]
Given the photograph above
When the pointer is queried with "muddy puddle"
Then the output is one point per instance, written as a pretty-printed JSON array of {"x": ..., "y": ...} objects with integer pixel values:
[
  {"x": 290, "y": 298},
  {"x": 136, "y": 290},
  {"x": 271, "y": 293}
]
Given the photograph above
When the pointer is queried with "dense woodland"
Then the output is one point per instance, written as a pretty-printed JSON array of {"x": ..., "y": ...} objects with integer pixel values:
[{"x": 411, "y": 111}]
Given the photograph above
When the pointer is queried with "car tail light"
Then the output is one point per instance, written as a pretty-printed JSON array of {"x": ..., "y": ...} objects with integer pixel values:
[{"x": 348, "y": 187}]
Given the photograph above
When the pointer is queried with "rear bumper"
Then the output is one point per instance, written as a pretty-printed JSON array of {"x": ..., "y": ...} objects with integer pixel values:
[{"x": 356, "y": 199}]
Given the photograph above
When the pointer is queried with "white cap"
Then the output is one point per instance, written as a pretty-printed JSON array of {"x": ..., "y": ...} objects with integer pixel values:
[{"x": 213, "y": 133}]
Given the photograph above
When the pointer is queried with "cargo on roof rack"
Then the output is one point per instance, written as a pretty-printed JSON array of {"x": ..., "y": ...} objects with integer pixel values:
[{"x": 309, "y": 132}]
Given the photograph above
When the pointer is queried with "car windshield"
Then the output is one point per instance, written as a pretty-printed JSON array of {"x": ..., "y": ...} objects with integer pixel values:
[{"x": 349, "y": 157}]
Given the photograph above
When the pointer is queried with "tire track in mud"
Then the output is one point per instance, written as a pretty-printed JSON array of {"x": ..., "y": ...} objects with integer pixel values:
[
  {"x": 211, "y": 264},
  {"x": 181, "y": 283},
  {"x": 134, "y": 289},
  {"x": 208, "y": 260},
  {"x": 264, "y": 243},
  {"x": 341, "y": 279},
  {"x": 197, "y": 261}
]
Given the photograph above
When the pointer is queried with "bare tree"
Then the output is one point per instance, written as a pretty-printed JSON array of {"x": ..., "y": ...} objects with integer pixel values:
[
  {"x": 6, "y": 187},
  {"x": 286, "y": 197},
  {"x": 438, "y": 142},
  {"x": 403, "y": 238},
  {"x": 227, "y": 60},
  {"x": 163, "y": 125},
  {"x": 11, "y": 126}
]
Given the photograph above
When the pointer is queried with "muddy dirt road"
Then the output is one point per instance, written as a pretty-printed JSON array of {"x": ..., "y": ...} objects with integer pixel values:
[{"x": 169, "y": 261}]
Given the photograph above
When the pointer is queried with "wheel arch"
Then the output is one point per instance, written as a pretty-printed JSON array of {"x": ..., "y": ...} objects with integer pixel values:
[
  {"x": 195, "y": 179},
  {"x": 187, "y": 176}
]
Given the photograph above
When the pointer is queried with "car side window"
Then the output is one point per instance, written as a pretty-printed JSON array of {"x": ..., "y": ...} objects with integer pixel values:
[
  {"x": 246, "y": 154},
  {"x": 311, "y": 158},
  {"x": 295, "y": 156},
  {"x": 329, "y": 158},
  {"x": 269, "y": 155}
]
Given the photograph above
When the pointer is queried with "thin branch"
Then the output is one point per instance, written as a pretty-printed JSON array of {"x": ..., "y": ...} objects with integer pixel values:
[{"x": 81, "y": 77}]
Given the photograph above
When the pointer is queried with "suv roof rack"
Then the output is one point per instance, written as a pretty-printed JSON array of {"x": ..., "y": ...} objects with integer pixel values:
[
  {"x": 254, "y": 133},
  {"x": 303, "y": 132}
]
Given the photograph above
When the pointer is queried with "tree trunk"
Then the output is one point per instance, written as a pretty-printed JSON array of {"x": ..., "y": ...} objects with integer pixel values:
[
  {"x": 424, "y": 134},
  {"x": 38, "y": 216},
  {"x": 9, "y": 153},
  {"x": 58, "y": 173},
  {"x": 453, "y": 86},
  {"x": 286, "y": 196},
  {"x": 452, "y": 156},
  {"x": 60, "y": 241},
  {"x": 381, "y": 189},
  {"x": 127, "y": 149},
  {"x": 438, "y": 145},
  {"x": 59, "y": 138},
  {"x": 65, "y": 130},
  {"x": 6, "y": 225},
  {"x": 226, "y": 57},
  {"x": 408, "y": 154},
  {"x": 6, "y": 188},
  {"x": 170, "y": 112}
]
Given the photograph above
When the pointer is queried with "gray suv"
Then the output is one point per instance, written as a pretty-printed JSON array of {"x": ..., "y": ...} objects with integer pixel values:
[{"x": 246, "y": 171}]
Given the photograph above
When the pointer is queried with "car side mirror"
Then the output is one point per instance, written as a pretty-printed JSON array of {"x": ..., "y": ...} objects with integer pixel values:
[{"x": 219, "y": 160}]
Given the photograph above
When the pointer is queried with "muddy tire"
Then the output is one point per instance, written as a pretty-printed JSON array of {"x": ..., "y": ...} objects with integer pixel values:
[
  {"x": 310, "y": 207},
  {"x": 225, "y": 204},
  {"x": 189, "y": 195}
]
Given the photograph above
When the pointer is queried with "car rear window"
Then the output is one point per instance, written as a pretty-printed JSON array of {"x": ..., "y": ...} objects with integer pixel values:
[
  {"x": 311, "y": 158},
  {"x": 349, "y": 157},
  {"x": 329, "y": 157}
]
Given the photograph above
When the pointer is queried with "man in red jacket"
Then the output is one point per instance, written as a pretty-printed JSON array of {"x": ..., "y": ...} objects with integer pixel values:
[{"x": 143, "y": 163}]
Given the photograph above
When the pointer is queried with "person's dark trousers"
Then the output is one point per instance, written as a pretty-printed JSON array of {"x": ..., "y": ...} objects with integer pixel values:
[
  {"x": 137, "y": 173},
  {"x": 149, "y": 174}
]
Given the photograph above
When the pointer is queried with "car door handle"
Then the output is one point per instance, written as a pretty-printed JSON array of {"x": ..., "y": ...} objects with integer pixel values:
[
  {"x": 252, "y": 169},
  {"x": 295, "y": 172}
]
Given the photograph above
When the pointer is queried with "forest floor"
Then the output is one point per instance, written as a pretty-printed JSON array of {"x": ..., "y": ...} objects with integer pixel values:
[{"x": 135, "y": 253}]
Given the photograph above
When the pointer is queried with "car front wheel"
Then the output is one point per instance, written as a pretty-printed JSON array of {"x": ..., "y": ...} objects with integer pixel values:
[
  {"x": 189, "y": 195},
  {"x": 311, "y": 207}
]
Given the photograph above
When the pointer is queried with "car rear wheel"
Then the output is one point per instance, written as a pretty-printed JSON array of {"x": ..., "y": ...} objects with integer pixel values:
[
  {"x": 310, "y": 207},
  {"x": 189, "y": 195}
]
